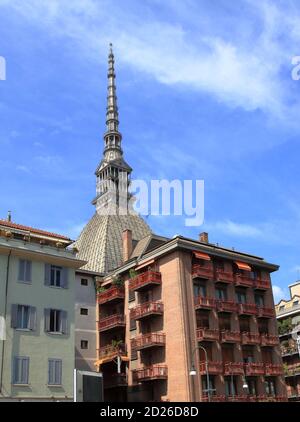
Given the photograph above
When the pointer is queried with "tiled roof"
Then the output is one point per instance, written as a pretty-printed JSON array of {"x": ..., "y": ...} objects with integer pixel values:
[
  {"x": 11, "y": 225},
  {"x": 100, "y": 242}
]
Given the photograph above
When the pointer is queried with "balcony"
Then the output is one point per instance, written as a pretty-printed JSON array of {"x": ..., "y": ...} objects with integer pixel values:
[
  {"x": 269, "y": 340},
  {"x": 113, "y": 294},
  {"x": 223, "y": 276},
  {"x": 202, "y": 271},
  {"x": 149, "y": 340},
  {"x": 145, "y": 280},
  {"x": 233, "y": 368},
  {"x": 243, "y": 280},
  {"x": 206, "y": 334},
  {"x": 289, "y": 350},
  {"x": 262, "y": 284},
  {"x": 230, "y": 336},
  {"x": 247, "y": 309},
  {"x": 150, "y": 373},
  {"x": 146, "y": 310},
  {"x": 226, "y": 306},
  {"x": 292, "y": 371},
  {"x": 114, "y": 380},
  {"x": 202, "y": 302},
  {"x": 266, "y": 312},
  {"x": 250, "y": 338},
  {"x": 240, "y": 398},
  {"x": 273, "y": 369},
  {"x": 110, "y": 351},
  {"x": 254, "y": 369},
  {"x": 213, "y": 398},
  {"x": 214, "y": 368},
  {"x": 113, "y": 321}
]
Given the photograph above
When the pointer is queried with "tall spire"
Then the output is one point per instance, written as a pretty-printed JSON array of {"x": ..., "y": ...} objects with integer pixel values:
[{"x": 112, "y": 136}]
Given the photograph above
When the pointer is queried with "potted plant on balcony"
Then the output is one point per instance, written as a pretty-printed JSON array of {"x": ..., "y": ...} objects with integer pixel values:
[
  {"x": 117, "y": 281},
  {"x": 132, "y": 273}
]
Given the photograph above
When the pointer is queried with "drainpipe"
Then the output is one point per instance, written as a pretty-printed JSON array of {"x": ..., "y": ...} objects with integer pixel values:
[{"x": 5, "y": 315}]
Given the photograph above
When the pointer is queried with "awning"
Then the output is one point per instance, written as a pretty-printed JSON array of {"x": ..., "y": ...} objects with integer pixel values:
[
  {"x": 110, "y": 358},
  {"x": 145, "y": 264},
  {"x": 201, "y": 255},
  {"x": 243, "y": 266}
]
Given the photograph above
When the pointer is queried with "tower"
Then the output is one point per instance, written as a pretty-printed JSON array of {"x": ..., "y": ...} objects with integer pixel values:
[
  {"x": 112, "y": 173},
  {"x": 100, "y": 242}
]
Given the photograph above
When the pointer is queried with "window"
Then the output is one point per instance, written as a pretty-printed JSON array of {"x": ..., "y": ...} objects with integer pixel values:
[
  {"x": 212, "y": 388},
  {"x": 24, "y": 271},
  {"x": 131, "y": 295},
  {"x": 270, "y": 387},
  {"x": 56, "y": 276},
  {"x": 224, "y": 322},
  {"x": 202, "y": 319},
  {"x": 84, "y": 311},
  {"x": 20, "y": 373},
  {"x": 54, "y": 371},
  {"x": 244, "y": 324},
  {"x": 296, "y": 303},
  {"x": 219, "y": 265},
  {"x": 230, "y": 386},
  {"x": 263, "y": 326},
  {"x": 23, "y": 317},
  {"x": 259, "y": 300},
  {"x": 84, "y": 282},
  {"x": 55, "y": 321},
  {"x": 134, "y": 354},
  {"x": 84, "y": 344},
  {"x": 241, "y": 297},
  {"x": 252, "y": 387},
  {"x": 281, "y": 308},
  {"x": 132, "y": 324},
  {"x": 221, "y": 294},
  {"x": 199, "y": 289}
]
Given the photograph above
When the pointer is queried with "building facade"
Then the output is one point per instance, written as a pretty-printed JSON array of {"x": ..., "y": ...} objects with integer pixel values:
[
  {"x": 288, "y": 317},
  {"x": 187, "y": 320},
  {"x": 37, "y": 295}
]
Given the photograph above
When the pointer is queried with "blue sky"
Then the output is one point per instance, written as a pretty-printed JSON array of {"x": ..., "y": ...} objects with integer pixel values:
[{"x": 204, "y": 90}]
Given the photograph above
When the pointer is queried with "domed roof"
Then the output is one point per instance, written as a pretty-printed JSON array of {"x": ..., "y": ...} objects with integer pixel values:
[{"x": 100, "y": 242}]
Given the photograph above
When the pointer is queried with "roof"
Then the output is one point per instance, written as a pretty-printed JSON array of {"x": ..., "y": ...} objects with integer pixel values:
[
  {"x": 146, "y": 244},
  {"x": 100, "y": 242},
  {"x": 16, "y": 226}
]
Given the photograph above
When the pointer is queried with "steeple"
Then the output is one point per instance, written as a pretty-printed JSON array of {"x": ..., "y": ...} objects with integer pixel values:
[{"x": 113, "y": 172}]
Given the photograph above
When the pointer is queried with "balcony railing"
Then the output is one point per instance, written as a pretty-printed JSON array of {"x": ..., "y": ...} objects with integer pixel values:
[
  {"x": 230, "y": 336},
  {"x": 290, "y": 350},
  {"x": 226, "y": 306},
  {"x": 252, "y": 369},
  {"x": 113, "y": 321},
  {"x": 250, "y": 338},
  {"x": 240, "y": 398},
  {"x": 266, "y": 312},
  {"x": 146, "y": 279},
  {"x": 247, "y": 309},
  {"x": 147, "y": 309},
  {"x": 202, "y": 302},
  {"x": 223, "y": 276},
  {"x": 206, "y": 334},
  {"x": 292, "y": 370},
  {"x": 262, "y": 284},
  {"x": 148, "y": 340},
  {"x": 233, "y": 368},
  {"x": 269, "y": 340},
  {"x": 202, "y": 271},
  {"x": 273, "y": 369},
  {"x": 214, "y": 368},
  {"x": 111, "y": 295},
  {"x": 112, "y": 350},
  {"x": 213, "y": 398},
  {"x": 154, "y": 372},
  {"x": 243, "y": 280}
]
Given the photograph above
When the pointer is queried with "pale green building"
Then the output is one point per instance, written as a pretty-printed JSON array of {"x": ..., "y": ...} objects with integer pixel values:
[{"x": 37, "y": 300}]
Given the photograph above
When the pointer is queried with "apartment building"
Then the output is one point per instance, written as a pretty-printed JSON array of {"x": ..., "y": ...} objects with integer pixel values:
[
  {"x": 37, "y": 295},
  {"x": 186, "y": 320},
  {"x": 288, "y": 317}
]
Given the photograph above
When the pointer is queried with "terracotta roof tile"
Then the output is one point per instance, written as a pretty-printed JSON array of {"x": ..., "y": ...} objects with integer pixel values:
[{"x": 31, "y": 229}]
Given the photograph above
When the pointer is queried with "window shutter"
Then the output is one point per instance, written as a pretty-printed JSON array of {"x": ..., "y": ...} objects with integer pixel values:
[
  {"x": 47, "y": 320},
  {"x": 21, "y": 275},
  {"x": 25, "y": 370},
  {"x": 15, "y": 370},
  {"x": 47, "y": 274},
  {"x": 64, "y": 322},
  {"x": 14, "y": 316},
  {"x": 64, "y": 274},
  {"x": 32, "y": 318},
  {"x": 50, "y": 371},
  {"x": 58, "y": 367},
  {"x": 28, "y": 271}
]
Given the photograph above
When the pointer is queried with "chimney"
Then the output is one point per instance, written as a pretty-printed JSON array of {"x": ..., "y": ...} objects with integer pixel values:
[
  {"x": 203, "y": 237},
  {"x": 127, "y": 244},
  {"x": 9, "y": 216}
]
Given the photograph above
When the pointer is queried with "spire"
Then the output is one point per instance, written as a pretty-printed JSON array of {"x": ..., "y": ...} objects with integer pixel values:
[{"x": 112, "y": 136}]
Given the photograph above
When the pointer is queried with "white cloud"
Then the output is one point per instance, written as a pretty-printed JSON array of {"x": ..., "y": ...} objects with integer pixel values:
[
  {"x": 235, "y": 229},
  {"x": 23, "y": 168},
  {"x": 279, "y": 293},
  {"x": 245, "y": 70}
]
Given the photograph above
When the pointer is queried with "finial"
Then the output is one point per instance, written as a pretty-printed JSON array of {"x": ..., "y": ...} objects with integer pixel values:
[
  {"x": 110, "y": 48},
  {"x": 9, "y": 216}
]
